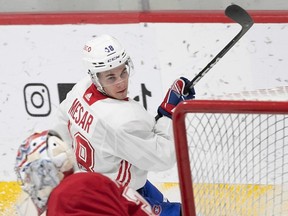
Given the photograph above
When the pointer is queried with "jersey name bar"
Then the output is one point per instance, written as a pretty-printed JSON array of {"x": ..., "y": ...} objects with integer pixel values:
[{"x": 80, "y": 116}]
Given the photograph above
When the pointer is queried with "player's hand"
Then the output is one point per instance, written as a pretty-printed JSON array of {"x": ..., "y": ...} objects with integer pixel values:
[{"x": 174, "y": 96}]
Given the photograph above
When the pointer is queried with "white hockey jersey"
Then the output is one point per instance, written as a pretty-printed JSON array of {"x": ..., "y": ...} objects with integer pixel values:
[{"x": 117, "y": 138}]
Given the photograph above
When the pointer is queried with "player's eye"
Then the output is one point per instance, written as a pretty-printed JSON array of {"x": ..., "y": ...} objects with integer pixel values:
[
  {"x": 111, "y": 79},
  {"x": 124, "y": 74}
]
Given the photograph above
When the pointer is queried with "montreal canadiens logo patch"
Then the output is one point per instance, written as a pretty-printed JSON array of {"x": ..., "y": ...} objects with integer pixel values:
[{"x": 157, "y": 209}]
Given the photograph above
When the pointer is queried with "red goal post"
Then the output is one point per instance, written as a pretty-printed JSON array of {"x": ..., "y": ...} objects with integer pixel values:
[{"x": 232, "y": 157}]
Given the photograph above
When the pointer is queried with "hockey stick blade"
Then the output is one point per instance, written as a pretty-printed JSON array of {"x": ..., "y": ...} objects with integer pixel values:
[{"x": 238, "y": 15}]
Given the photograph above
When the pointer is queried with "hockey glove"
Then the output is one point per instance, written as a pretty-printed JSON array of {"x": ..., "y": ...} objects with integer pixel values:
[{"x": 174, "y": 96}]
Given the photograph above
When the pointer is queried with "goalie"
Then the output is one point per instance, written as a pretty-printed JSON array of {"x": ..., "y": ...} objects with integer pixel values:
[{"x": 44, "y": 165}]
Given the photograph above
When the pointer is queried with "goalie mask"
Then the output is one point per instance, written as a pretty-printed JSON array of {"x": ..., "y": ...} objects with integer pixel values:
[
  {"x": 102, "y": 54},
  {"x": 41, "y": 162}
]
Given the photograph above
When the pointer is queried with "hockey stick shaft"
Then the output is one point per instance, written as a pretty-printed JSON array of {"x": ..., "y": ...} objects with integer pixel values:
[{"x": 240, "y": 16}]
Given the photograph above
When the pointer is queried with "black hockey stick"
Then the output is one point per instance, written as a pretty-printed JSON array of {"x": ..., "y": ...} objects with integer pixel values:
[{"x": 240, "y": 16}]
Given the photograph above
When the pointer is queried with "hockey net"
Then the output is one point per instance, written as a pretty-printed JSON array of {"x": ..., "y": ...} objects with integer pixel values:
[{"x": 232, "y": 157}]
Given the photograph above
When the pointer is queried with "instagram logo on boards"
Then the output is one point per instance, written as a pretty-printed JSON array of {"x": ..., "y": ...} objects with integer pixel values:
[{"x": 37, "y": 99}]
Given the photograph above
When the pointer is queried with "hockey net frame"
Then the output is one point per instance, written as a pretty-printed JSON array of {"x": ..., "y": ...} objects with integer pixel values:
[{"x": 191, "y": 200}]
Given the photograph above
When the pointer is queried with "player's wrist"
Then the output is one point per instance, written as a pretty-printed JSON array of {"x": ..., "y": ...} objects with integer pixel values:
[{"x": 163, "y": 112}]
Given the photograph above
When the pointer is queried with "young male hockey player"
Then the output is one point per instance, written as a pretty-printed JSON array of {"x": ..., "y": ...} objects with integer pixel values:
[
  {"x": 44, "y": 164},
  {"x": 113, "y": 134}
]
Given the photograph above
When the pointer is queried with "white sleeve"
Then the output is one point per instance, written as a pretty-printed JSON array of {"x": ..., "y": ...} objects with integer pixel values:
[
  {"x": 163, "y": 127},
  {"x": 146, "y": 145}
]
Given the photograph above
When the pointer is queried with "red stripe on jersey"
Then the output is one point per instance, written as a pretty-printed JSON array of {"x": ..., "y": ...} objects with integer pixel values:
[
  {"x": 124, "y": 174},
  {"x": 92, "y": 95}
]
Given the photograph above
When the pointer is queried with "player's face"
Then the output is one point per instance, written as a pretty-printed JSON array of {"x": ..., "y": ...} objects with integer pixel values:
[{"x": 115, "y": 82}]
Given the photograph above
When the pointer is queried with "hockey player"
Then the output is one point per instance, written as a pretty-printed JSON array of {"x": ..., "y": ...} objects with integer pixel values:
[
  {"x": 113, "y": 134},
  {"x": 44, "y": 164}
]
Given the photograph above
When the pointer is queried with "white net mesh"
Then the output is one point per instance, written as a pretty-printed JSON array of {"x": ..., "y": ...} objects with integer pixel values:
[
  {"x": 274, "y": 94},
  {"x": 239, "y": 162}
]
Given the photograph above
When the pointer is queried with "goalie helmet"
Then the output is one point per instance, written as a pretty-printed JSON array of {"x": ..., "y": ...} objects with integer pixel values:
[
  {"x": 104, "y": 53},
  {"x": 41, "y": 163}
]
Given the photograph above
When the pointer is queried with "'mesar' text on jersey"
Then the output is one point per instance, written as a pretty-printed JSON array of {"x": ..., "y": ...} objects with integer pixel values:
[{"x": 80, "y": 116}]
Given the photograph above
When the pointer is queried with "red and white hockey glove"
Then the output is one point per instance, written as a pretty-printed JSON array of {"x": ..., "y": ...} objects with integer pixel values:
[{"x": 174, "y": 96}]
